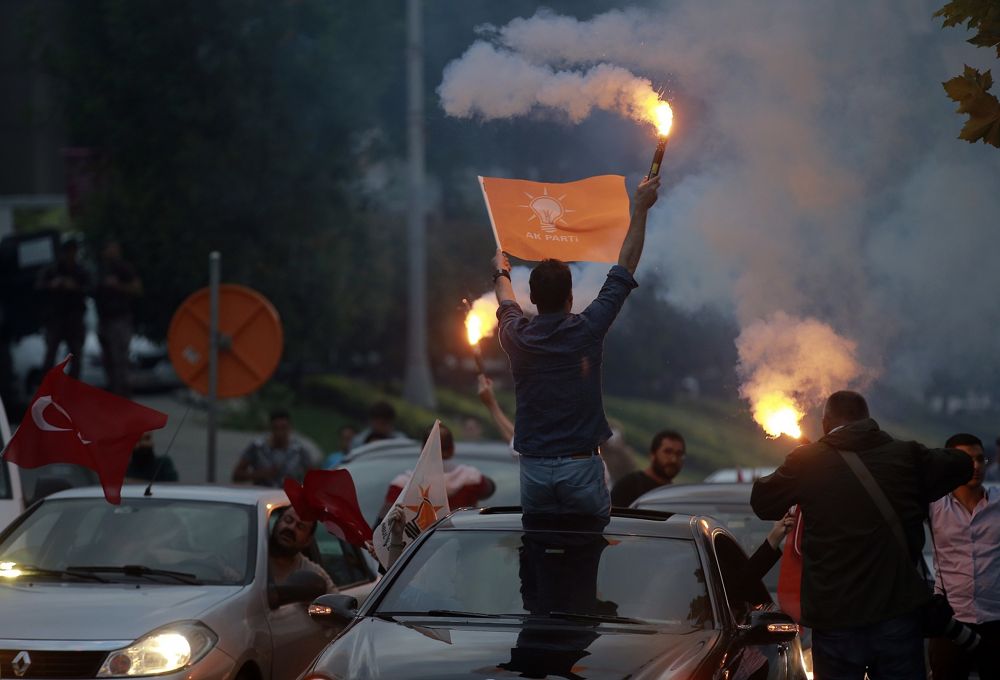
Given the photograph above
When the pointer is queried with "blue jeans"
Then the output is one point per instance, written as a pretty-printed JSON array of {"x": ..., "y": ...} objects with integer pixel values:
[
  {"x": 888, "y": 650},
  {"x": 555, "y": 486}
]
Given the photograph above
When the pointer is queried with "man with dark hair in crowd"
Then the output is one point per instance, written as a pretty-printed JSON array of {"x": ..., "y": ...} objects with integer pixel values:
[
  {"x": 66, "y": 285},
  {"x": 289, "y": 537},
  {"x": 268, "y": 460},
  {"x": 465, "y": 485},
  {"x": 118, "y": 286},
  {"x": 666, "y": 457},
  {"x": 861, "y": 591},
  {"x": 965, "y": 526},
  {"x": 556, "y": 360},
  {"x": 381, "y": 425}
]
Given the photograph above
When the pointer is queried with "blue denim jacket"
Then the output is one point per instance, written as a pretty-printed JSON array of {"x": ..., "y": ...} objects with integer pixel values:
[{"x": 556, "y": 362}]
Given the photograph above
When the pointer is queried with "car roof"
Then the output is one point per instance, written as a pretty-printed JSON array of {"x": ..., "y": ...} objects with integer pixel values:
[
  {"x": 717, "y": 493},
  {"x": 399, "y": 448},
  {"x": 623, "y": 521},
  {"x": 245, "y": 495}
]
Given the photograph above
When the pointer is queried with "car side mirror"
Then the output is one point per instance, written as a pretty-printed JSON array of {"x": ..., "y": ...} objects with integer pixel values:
[
  {"x": 766, "y": 627},
  {"x": 300, "y": 586},
  {"x": 334, "y": 610}
]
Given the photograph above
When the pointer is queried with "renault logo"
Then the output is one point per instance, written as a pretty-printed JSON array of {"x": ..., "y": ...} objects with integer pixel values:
[{"x": 21, "y": 664}]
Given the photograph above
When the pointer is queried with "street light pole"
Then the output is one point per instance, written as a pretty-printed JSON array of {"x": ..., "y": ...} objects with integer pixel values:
[{"x": 418, "y": 387}]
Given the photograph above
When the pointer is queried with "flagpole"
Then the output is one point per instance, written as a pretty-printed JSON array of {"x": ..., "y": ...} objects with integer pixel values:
[
  {"x": 489, "y": 211},
  {"x": 214, "y": 274}
]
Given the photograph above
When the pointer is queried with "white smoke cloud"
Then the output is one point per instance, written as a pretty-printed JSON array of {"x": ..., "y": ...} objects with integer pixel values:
[
  {"x": 492, "y": 83},
  {"x": 813, "y": 169}
]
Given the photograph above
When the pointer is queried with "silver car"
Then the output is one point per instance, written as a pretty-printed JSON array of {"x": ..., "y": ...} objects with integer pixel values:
[{"x": 174, "y": 584}]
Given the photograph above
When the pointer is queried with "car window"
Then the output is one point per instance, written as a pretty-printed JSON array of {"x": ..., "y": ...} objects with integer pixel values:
[
  {"x": 542, "y": 573},
  {"x": 749, "y": 530},
  {"x": 5, "y": 487},
  {"x": 372, "y": 476},
  {"x": 206, "y": 539},
  {"x": 744, "y": 590},
  {"x": 341, "y": 560}
]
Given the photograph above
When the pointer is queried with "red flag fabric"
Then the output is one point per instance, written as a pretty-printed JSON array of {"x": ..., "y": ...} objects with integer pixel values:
[
  {"x": 69, "y": 421},
  {"x": 329, "y": 496},
  {"x": 790, "y": 573}
]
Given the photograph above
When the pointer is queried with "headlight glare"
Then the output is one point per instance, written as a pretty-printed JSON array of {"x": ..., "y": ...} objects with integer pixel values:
[{"x": 164, "y": 650}]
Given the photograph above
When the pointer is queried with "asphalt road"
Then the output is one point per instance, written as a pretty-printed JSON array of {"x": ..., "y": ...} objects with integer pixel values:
[{"x": 190, "y": 450}]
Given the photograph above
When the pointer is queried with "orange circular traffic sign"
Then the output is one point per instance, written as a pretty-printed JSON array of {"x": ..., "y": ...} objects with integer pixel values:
[{"x": 250, "y": 341}]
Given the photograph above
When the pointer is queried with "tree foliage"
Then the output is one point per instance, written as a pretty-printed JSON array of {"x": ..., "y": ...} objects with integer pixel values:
[
  {"x": 971, "y": 89},
  {"x": 229, "y": 125}
]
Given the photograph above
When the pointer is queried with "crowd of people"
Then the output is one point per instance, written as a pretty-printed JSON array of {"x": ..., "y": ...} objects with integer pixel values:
[{"x": 861, "y": 496}]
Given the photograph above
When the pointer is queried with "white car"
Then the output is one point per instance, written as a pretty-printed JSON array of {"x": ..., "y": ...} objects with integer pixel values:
[{"x": 174, "y": 584}]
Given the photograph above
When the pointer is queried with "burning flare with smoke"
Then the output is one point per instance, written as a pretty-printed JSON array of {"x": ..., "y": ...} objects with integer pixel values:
[
  {"x": 481, "y": 320},
  {"x": 789, "y": 365}
]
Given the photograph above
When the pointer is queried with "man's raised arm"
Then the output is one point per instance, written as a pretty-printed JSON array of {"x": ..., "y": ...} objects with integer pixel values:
[
  {"x": 645, "y": 197},
  {"x": 501, "y": 282}
]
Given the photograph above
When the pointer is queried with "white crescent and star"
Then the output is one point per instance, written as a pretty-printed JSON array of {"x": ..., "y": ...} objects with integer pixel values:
[{"x": 38, "y": 416}]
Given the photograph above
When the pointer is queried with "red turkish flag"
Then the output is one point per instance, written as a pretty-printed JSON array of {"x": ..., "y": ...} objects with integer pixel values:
[
  {"x": 71, "y": 422},
  {"x": 790, "y": 573},
  {"x": 329, "y": 496}
]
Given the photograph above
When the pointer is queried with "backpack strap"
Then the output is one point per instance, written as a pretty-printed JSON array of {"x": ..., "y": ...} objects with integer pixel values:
[{"x": 864, "y": 476}]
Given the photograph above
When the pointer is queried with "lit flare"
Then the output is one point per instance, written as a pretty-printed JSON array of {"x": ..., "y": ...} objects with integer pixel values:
[
  {"x": 778, "y": 414},
  {"x": 481, "y": 319},
  {"x": 663, "y": 118}
]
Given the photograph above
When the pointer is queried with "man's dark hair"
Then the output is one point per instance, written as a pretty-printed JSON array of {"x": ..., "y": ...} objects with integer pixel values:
[
  {"x": 963, "y": 439},
  {"x": 846, "y": 406},
  {"x": 551, "y": 285},
  {"x": 279, "y": 513},
  {"x": 382, "y": 410},
  {"x": 447, "y": 438},
  {"x": 279, "y": 413},
  {"x": 666, "y": 434}
]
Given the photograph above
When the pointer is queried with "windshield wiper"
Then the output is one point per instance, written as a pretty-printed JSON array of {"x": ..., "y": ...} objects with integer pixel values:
[
  {"x": 471, "y": 615},
  {"x": 142, "y": 570},
  {"x": 602, "y": 618},
  {"x": 39, "y": 571}
]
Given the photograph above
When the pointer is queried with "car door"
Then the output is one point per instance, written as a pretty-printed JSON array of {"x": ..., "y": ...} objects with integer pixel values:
[{"x": 743, "y": 593}]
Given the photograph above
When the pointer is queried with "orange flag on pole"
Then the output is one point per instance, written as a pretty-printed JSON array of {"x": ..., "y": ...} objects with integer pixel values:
[{"x": 583, "y": 221}]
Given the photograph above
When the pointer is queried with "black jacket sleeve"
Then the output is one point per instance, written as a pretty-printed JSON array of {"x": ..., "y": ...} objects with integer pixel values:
[
  {"x": 772, "y": 495},
  {"x": 942, "y": 470},
  {"x": 761, "y": 561}
]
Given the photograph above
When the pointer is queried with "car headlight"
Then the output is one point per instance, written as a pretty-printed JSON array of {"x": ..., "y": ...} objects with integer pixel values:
[{"x": 164, "y": 650}]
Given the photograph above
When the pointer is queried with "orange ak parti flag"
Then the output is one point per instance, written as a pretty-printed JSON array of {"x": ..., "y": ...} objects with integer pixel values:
[{"x": 582, "y": 221}]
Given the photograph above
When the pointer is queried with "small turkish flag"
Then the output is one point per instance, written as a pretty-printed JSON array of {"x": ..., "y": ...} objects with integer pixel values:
[
  {"x": 71, "y": 422},
  {"x": 329, "y": 496}
]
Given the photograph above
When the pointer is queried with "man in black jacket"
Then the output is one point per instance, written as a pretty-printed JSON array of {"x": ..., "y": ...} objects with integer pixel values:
[{"x": 861, "y": 593}]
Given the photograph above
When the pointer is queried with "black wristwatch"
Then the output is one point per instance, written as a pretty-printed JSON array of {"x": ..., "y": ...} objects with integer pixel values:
[{"x": 500, "y": 272}]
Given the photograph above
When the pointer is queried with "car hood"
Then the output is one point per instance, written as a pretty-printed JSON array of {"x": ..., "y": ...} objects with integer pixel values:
[
  {"x": 421, "y": 648},
  {"x": 97, "y": 611}
]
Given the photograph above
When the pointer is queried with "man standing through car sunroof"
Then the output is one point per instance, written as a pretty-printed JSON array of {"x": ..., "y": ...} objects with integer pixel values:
[{"x": 556, "y": 360}]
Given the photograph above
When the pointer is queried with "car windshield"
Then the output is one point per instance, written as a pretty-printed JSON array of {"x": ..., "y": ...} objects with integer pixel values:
[
  {"x": 560, "y": 575},
  {"x": 373, "y": 474},
  {"x": 205, "y": 540},
  {"x": 748, "y": 529}
]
